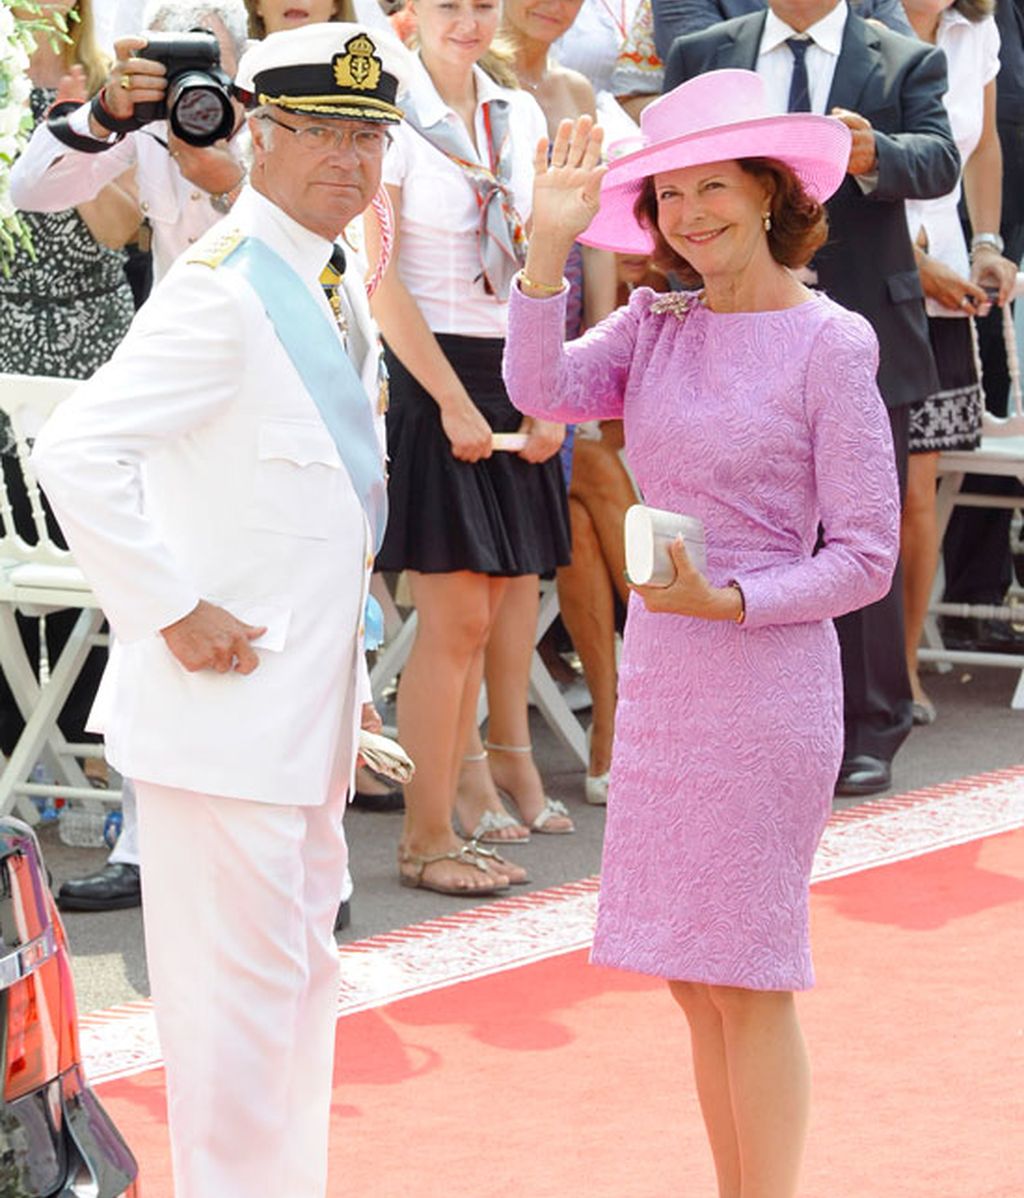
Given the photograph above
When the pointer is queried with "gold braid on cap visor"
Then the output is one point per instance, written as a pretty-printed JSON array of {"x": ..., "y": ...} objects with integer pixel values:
[{"x": 361, "y": 108}]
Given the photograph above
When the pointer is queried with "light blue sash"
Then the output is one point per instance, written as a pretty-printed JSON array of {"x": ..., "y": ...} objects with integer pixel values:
[{"x": 326, "y": 370}]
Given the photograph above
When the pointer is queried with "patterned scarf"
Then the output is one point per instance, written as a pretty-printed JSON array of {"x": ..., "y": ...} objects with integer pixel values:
[{"x": 502, "y": 238}]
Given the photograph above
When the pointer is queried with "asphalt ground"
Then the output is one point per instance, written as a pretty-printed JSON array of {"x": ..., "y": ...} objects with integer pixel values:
[{"x": 976, "y": 731}]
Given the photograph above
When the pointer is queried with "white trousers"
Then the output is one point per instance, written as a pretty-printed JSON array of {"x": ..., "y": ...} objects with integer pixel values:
[{"x": 239, "y": 901}]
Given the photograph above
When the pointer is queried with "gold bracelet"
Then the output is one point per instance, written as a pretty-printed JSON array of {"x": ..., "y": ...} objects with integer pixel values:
[
  {"x": 743, "y": 601},
  {"x": 544, "y": 288}
]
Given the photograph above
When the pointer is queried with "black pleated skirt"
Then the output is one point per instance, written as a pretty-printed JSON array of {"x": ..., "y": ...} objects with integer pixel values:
[{"x": 501, "y": 516}]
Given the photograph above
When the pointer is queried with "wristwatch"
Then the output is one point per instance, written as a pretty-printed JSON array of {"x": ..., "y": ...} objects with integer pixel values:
[
  {"x": 990, "y": 239},
  {"x": 221, "y": 201}
]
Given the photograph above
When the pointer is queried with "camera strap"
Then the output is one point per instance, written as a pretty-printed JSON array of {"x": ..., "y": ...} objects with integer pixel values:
[
  {"x": 59, "y": 125},
  {"x": 103, "y": 116}
]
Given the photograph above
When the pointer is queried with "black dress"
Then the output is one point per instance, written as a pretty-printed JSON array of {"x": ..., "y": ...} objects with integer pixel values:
[
  {"x": 500, "y": 516},
  {"x": 65, "y": 310}
]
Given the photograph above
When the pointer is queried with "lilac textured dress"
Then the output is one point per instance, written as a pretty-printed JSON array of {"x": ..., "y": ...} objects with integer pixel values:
[{"x": 728, "y": 737}]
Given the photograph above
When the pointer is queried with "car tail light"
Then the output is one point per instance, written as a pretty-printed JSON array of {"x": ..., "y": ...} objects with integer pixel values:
[{"x": 38, "y": 1006}]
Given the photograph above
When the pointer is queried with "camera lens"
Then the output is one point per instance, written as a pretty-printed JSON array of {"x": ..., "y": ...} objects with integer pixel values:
[{"x": 199, "y": 110}]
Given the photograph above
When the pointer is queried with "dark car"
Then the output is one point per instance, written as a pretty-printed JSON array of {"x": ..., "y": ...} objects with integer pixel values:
[{"x": 56, "y": 1140}]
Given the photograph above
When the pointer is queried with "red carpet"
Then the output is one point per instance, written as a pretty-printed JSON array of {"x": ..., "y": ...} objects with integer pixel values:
[{"x": 559, "y": 1080}]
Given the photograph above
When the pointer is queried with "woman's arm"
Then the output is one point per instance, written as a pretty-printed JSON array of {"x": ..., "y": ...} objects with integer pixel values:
[
  {"x": 542, "y": 379},
  {"x": 857, "y": 490},
  {"x": 983, "y": 193},
  {"x": 585, "y": 380},
  {"x": 409, "y": 336}
]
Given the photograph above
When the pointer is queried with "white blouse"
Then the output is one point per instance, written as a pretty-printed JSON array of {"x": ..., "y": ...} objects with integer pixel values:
[
  {"x": 972, "y": 57},
  {"x": 592, "y": 43},
  {"x": 438, "y": 253}
]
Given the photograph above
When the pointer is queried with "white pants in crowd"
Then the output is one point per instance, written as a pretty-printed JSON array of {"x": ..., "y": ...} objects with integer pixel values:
[{"x": 239, "y": 901}]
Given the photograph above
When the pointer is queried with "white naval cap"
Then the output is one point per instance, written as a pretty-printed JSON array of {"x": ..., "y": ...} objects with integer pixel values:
[{"x": 333, "y": 69}]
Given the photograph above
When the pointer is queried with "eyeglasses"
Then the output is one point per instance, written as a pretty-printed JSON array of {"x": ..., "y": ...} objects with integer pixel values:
[{"x": 369, "y": 144}]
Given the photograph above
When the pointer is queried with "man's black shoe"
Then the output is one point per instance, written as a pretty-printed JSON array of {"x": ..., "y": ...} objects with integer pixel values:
[
  {"x": 389, "y": 800},
  {"x": 959, "y": 632},
  {"x": 114, "y": 887},
  {"x": 344, "y": 916},
  {"x": 980, "y": 636},
  {"x": 999, "y": 636},
  {"x": 864, "y": 775}
]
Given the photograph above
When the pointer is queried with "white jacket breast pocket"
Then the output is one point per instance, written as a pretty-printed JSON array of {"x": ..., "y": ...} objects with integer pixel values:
[{"x": 296, "y": 479}]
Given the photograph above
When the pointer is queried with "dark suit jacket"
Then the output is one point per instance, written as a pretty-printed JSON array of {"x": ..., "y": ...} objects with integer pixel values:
[
  {"x": 674, "y": 18},
  {"x": 868, "y": 263}
]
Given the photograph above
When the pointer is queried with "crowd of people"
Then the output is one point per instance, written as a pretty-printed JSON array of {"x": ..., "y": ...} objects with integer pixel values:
[{"x": 736, "y": 260}]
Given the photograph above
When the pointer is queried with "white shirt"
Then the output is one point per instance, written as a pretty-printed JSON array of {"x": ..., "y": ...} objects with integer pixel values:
[
  {"x": 972, "y": 59},
  {"x": 49, "y": 177},
  {"x": 591, "y": 45},
  {"x": 438, "y": 253},
  {"x": 775, "y": 59}
]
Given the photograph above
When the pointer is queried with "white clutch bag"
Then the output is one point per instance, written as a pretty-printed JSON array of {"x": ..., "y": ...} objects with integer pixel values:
[
  {"x": 649, "y": 531},
  {"x": 386, "y": 756}
]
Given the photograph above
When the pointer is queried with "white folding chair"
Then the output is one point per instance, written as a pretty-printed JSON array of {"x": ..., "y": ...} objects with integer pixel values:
[
  {"x": 36, "y": 578},
  {"x": 1001, "y": 454}
]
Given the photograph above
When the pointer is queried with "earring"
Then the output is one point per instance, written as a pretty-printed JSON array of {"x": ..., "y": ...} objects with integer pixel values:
[{"x": 766, "y": 220}]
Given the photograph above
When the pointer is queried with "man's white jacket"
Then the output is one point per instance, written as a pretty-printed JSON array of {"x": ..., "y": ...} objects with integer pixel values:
[{"x": 195, "y": 465}]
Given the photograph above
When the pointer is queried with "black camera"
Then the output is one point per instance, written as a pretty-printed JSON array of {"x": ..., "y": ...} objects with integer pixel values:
[{"x": 198, "y": 99}]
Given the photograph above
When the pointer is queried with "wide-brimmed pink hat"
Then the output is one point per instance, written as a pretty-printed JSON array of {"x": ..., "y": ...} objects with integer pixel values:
[{"x": 714, "y": 117}]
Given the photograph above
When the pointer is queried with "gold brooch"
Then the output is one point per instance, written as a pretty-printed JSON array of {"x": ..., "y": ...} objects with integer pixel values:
[{"x": 359, "y": 68}]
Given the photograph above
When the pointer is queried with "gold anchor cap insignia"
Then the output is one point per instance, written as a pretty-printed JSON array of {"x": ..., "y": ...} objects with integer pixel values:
[{"x": 359, "y": 68}]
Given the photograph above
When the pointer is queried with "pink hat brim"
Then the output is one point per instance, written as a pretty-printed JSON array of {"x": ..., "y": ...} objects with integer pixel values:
[{"x": 815, "y": 148}]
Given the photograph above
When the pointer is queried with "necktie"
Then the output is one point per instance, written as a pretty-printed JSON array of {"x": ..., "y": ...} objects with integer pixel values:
[
  {"x": 799, "y": 87},
  {"x": 330, "y": 281}
]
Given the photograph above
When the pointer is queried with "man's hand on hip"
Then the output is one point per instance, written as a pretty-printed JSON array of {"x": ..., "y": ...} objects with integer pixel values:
[{"x": 210, "y": 638}]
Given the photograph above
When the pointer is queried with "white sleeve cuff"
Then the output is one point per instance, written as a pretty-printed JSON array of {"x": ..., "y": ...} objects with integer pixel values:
[{"x": 79, "y": 122}]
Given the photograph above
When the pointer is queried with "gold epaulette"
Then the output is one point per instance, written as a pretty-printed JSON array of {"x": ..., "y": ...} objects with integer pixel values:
[{"x": 212, "y": 252}]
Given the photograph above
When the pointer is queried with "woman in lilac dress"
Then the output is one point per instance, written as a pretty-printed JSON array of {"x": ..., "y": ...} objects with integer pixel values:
[{"x": 752, "y": 405}]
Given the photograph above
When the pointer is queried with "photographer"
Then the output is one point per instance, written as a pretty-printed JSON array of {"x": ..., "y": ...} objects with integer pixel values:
[{"x": 183, "y": 189}]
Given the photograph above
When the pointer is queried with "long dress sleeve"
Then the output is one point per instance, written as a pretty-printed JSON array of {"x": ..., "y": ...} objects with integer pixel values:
[
  {"x": 584, "y": 380},
  {"x": 857, "y": 489}
]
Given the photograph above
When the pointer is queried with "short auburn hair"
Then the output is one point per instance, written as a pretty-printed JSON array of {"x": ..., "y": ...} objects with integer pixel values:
[{"x": 799, "y": 224}]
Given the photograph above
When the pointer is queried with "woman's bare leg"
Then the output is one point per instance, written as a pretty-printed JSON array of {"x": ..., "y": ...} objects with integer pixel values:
[
  {"x": 919, "y": 551},
  {"x": 586, "y": 600},
  {"x": 454, "y": 614},
  {"x": 476, "y": 794},
  {"x": 507, "y": 660},
  {"x": 769, "y": 1084},
  {"x": 601, "y": 484},
  {"x": 599, "y": 494},
  {"x": 711, "y": 1072}
]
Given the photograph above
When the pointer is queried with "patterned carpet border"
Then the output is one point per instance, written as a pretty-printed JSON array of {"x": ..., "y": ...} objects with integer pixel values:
[{"x": 501, "y": 935}]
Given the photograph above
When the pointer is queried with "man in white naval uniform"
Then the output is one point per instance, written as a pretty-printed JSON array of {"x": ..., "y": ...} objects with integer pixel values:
[{"x": 221, "y": 483}]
